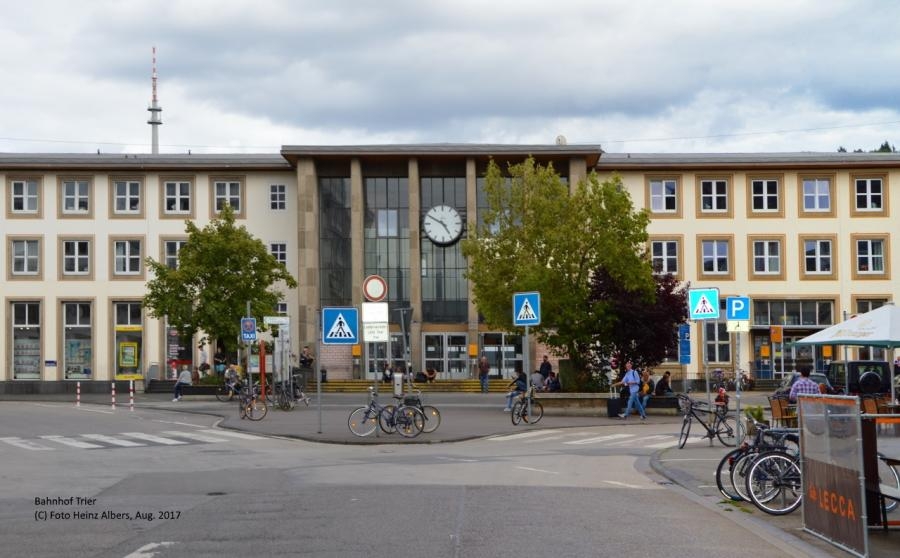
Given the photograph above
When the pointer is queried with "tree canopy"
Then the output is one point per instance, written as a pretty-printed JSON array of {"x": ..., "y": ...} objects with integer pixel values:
[
  {"x": 220, "y": 268},
  {"x": 538, "y": 234}
]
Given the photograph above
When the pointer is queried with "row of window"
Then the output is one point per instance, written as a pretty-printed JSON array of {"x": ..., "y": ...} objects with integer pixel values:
[
  {"x": 818, "y": 256},
  {"x": 177, "y": 197},
  {"x": 765, "y": 196},
  {"x": 77, "y": 255}
]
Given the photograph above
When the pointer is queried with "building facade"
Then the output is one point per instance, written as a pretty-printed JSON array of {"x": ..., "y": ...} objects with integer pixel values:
[{"x": 806, "y": 236}]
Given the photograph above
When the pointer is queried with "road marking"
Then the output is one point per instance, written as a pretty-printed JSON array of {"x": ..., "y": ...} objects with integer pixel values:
[
  {"x": 25, "y": 444},
  {"x": 445, "y": 458},
  {"x": 638, "y": 442},
  {"x": 154, "y": 439},
  {"x": 71, "y": 442},
  {"x": 88, "y": 409},
  {"x": 599, "y": 439},
  {"x": 193, "y": 436},
  {"x": 233, "y": 434},
  {"x": 522, "y": 435},
  {"x": 624, "y": 485},
  {"x": 113, "y": 441},
  {"x": 179, "y": 423},
  {"x": 149, "y": 550},
  {"x": 691, "y": 459},
  {"x": 537, "y": 470}
]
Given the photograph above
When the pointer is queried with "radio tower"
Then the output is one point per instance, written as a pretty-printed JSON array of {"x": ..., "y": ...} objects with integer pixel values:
[{"x": 155, "y": 112}]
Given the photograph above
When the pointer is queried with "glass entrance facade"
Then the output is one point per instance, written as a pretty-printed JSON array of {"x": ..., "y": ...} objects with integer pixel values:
[
  {"x": 447, "y": 353},
  {"x": 504, "y": 353}
]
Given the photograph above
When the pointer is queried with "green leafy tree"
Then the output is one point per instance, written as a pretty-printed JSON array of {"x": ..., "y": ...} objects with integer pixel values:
[
  {"x": 220, "y": 268},
  {"x": 537, "y": 235},
  {"x": 640, "y": 328}
]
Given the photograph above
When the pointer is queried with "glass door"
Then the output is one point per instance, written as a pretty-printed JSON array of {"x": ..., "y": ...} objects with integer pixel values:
[
  {"x": 447, "y": 354},
  {"x": 504, "y": 353}
]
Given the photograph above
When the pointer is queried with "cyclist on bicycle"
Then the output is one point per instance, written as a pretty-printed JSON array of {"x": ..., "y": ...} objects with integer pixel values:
[
  {"x": 518, "y": 388},
  {"x": 232, "y": 378}
]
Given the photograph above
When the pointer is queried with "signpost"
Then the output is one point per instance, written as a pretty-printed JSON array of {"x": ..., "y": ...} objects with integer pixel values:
[
  {"x": 527, "y": 312},
  {"x": 737, "y": 312},
  {"x": 703, "y": 304},
  {"x": 248, "y": 329}
]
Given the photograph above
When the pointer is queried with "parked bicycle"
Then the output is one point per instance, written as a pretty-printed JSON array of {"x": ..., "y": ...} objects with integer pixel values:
[
  {"x": 288, "y": 394},
  {"x": 520, "y": 411},
  {"x": 251, "y": 405},
  {"x": 407, "y": 420},
  {"x": 718, "y": 422},
  {"x": 432, "y": 415},
  {"x": 733, "y": 467}
]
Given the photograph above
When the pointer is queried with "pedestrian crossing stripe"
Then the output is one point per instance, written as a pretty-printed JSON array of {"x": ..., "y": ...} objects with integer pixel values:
[
  {"x": 140, "y": 439},
  {"x": 340, "y": 329},
  {"x": 525, "y": 312},
  {"x": 703, "y": 307}
]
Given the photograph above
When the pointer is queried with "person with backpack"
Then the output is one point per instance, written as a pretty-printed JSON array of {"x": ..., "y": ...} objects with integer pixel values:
[{"x": 632, "y": 380}]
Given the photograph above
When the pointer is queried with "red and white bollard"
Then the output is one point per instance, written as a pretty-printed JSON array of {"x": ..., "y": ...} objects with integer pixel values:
[
  {"x": 78, "y": 394},
  {"x": 113, "y": 396},
  {"x": 131, "y": 395}
]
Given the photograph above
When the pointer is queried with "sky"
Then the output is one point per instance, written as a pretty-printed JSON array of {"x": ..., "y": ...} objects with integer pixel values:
[{"x": 649, "y": 76}]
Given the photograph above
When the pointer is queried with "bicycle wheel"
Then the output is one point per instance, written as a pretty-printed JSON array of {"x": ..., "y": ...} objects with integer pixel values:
[
  {"x": 888, "y": 475},
  {"x": 285, "y": 402},
  {"x": 432, "y": 418},
  {"x": 537, "y": 412},
  {"x": 723, "y": 474},
  {"x": 726, "y": 430},
  {"x": 773, "y": 483},
  {"x": 242, "y": 407},
  {"x": 516, "y": 414},
  {"x": 739, "y": 473},
  {"x": 224, "y": 393},
  {"x": 362, "y": 422},
  {"x": 685, "y": 430},
  {"x": 410, "y": 421},
  {"x": 255, "y": 409},
  {"x": 387, "y": 419}
]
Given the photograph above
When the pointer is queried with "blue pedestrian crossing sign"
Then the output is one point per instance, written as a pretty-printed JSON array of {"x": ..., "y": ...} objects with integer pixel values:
[
  {"x": 703, "y": 304},
  {"x": 737, "y": 308},
  {"x": 526, "y": 309},
  {"x": 340, "y": 326},
  {"x": 248, "y": 329}
]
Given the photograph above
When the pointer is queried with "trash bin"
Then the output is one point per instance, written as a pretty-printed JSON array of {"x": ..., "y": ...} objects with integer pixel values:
[{"x": 324, "y": 374}]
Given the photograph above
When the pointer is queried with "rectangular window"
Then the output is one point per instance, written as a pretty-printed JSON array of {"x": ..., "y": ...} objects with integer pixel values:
[
  {"x": 127, "y": 257},
  {"x": 870, "y": 255},
  {"x": 869, "y": 196},
  {"x": 281, "y": 308},
  {"x": 76, "y": 197},
  {"x": 715, "y": 256},
  {"x": 177, "y": 198},
  {"x": 664, "y": 256},
  {"x": 228, "y": 193},
  {"x": 77, "y": 342},
  {"x": 713, "y": 196},
  {"x": 127, "y": 196},
  {"x": 26, "y": 257},
  {"x": 766, "y": 257},
  {"x": 764, "y": 195},
  {"x": 663, "y": 196},
  {"x": 171, "y": 249},
  {"x": 24, "y": 196},
  {"x": 129, "y": 336},
  {"x": 335, "y": 242},
  {"x": 387, "y": 223},
  {"x": 277, "y": 197},
  {"x": 816, "y": 195},
  {"x": 718, "y": 342},
  {"x": 26, "y": 338},
  {"x": 76, "y": 257},
  {"x": 817, "y": 254},
  {"x": 279, "y": 251}
]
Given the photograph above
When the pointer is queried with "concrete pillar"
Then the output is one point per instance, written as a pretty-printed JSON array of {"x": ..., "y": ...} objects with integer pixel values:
[
  {"x": 357, "y": 222},
  {"x": 415, "y": 267},
  {"x": 471, "y": 223},
  {"x": 307, "y": 272}
]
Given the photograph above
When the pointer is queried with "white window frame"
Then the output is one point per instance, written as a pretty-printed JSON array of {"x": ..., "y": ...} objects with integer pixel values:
[
  {"x": 277, "y": 197},
  {"x": 227, "y": 192},
  {"x": 281, "y": 308},
  {"x": 870, "y": 258},
  {"x": 127, "y": 197},
  {"x": 127, "y": 257},
  {"x": 28, "y": 197},
  {"x": 717, "y": 337},
  {"x": 818, "y": 256},
  {"x": 716, "y": 244},
  {"x": 31, "y": 255},
  {"x": 171, "y": 260},
  {"x": 279, "y": 251},
  {"x": 767, "y": 257},
  {"x": 73, "y": 194},
  {"x": 77, "y": 257},
  {"x": 868, "y": 195},
  {"x": 817, "y": 195},
  {"x": 178, "y": 196},
  {"x": 765, "y": 196},
  {"x": 659, "y": 194},
  {"x": 664, "y": 258},
  {"x": 718, "y": 194}
]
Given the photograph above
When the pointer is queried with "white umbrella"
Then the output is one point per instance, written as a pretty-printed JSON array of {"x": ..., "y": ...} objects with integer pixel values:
[{"x": 878, "y": 328}]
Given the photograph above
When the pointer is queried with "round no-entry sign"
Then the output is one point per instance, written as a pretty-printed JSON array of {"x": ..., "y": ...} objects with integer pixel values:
[{"x": 374, "y": 288}]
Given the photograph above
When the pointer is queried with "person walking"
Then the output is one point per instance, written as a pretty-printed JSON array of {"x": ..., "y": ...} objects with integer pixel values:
[
  {"x": 632, "y": 380},
  {"x": 184, "y": 379},
  {"x": 484, "y": 368}
]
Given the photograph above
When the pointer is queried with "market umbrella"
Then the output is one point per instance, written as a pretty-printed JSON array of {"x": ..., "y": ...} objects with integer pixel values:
[{"x": 878, "y": 328}]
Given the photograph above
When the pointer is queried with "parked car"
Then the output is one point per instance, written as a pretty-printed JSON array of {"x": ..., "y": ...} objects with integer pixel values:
[
  {"x": 860, "y": 376},
  {"x": 784, "y": 389}
]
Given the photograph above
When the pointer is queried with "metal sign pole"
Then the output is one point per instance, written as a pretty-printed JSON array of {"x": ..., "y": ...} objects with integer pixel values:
[
  {"x": 705, "y": 367},
  {"x": 316, "y": 370},
  {"x": 527, "y": 367},
  {"x": 737, "y": 388}
]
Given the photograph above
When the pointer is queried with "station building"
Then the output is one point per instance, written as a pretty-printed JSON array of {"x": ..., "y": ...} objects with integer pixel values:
[{"x": 806, "y": 236}]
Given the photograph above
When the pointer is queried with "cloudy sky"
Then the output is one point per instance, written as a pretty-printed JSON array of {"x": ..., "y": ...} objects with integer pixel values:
[{"x": 630, "y": 75}]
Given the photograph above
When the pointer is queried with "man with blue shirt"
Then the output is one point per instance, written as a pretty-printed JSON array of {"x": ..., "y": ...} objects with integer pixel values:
[{"x": 632, "y": 379}]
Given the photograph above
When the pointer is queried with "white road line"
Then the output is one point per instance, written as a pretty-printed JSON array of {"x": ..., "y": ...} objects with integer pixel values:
[
  {"x": 537, "y": 470},
  {"x": 150, "y": 550},
  {"x": 90, "y": 410},
  {"x": 233, "y": 434},
  {"x": 114, "y": 441},
  {"x": 638, "y": 442},
  {"x": 522, "y": 435},
  {"x": 71, "y": 442},
  {"x": 624, "y": 485},
  {"x": 178, "y": 423},
  {"x": 25, "y": 444},
  {"x": 445, "y": 458},
  {"x": 154, "y": 439},
  {"x": 597, "y": 439},
  {"x": 193, "y": 436}
]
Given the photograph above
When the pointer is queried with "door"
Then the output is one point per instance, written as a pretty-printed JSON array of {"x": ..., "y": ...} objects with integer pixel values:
[
  {"x": 504, "y": 353},
  {"x": 446, "y": 353}
]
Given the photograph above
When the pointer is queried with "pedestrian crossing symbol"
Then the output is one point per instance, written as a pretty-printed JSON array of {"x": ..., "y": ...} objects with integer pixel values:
[
  {"x": 340, "y": 326},
  {"x": 526, "y": 309},
  {"x": 703, "y": 304}
]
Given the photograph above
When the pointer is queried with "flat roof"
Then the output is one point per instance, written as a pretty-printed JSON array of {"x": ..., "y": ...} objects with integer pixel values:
[
  {"x": 796, "y": 160},
  {"x": 479, "y": 150},
  {"x": 128, "y": 161}
]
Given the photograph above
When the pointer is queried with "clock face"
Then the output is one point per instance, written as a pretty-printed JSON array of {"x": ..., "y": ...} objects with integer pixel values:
[{"x": 442, "y": 224}]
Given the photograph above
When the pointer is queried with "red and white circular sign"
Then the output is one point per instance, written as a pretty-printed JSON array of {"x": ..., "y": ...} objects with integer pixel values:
[{"x": 374, "y": 288}]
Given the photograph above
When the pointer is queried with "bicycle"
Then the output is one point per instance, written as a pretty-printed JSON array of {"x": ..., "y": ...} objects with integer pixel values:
[
  {"x": 432, "y": 415},
  {"x": 520, "y": 409},
  {"x": 286, "y": 398},
  {"x": 732, "y": 467},
  {"x": 226, "y": 392},
  {"x": 719, "y": 423},
  {"x": 251, "y": 405},
  {"x": 408, "y": 421}
]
